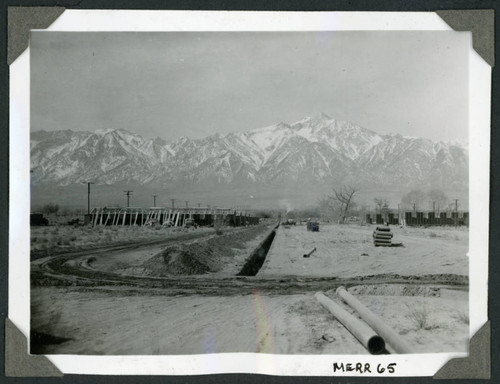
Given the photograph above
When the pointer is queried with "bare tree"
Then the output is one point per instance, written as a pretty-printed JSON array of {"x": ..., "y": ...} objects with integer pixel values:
[
  {"x": 345, "y": 197},
  {"x": 413, "y": 199},
  {"x": 382, "y": 206},
  {"x": 438, "y": 198},
  {"x": 381, "y": 203},
  {"x": 325, "y": 206}
]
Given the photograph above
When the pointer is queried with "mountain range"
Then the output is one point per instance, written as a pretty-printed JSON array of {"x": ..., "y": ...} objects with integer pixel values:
[{"x": 316, "y": 150}]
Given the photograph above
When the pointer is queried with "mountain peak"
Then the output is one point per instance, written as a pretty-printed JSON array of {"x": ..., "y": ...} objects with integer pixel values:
[
  {"x": 282, "y": 124},
  {"x": 317, "y": 148},
  {"x": 159, "y": 141},
  {"x": 104, "y": 131}
]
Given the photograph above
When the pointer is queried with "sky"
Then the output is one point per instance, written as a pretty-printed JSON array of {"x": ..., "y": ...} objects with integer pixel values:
[{"x": 194, "y": 84}]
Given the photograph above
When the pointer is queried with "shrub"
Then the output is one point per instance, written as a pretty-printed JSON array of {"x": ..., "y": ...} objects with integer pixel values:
[
  {"x": 50, "y": 208},
  {"x": 419, "y": 316},
  {"x": 461, "y": 315}
]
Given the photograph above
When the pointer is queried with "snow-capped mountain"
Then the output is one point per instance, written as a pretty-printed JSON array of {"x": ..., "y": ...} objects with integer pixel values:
[{"x": 315, "y": 150}]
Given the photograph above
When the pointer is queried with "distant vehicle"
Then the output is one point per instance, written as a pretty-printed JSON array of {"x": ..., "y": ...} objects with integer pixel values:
[
  {"x": 37, "y": 219},
  {"x": 190, "y": 223},
  {"x": 315, "y": 226},
  {"x": 290, "y": 222}
]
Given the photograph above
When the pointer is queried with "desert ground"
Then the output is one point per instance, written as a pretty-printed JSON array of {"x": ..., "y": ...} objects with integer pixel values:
[{"x": 144, "y": 290}]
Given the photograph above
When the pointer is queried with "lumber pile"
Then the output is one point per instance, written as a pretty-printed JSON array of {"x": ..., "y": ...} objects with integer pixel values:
[{"x": 382, "y": 237}]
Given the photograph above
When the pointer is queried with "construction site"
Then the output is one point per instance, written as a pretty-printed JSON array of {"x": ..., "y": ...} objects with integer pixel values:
[
  {"x": 170, "y": 217},
  {"x": 199, "y": 192},
  {"x": 141, "y": 281}
]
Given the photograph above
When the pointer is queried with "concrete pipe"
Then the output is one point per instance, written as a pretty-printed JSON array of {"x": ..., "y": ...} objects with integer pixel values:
[
  {"x": 383, "y": 234},
  {"x": 391, "y": 337},
  {"x": 370, "y": 340},
  {"x": 383, "y": 241}
]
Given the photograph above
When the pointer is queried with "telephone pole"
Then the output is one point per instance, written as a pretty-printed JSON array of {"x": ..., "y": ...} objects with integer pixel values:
[
  {"x": 172, "y": 200},
  {"x": 187, "y": 202},
  {"x": 128, "y": 193},
  {"x": 88, "y": 195},
  {"x": 456, "y": 212},
  {"x": 154, "y": 200}
]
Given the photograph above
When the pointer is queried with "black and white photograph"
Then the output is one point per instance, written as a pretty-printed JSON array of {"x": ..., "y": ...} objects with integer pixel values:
[
  {"x": 266, "y": 192},
  {"x": 286, "y": 192}
]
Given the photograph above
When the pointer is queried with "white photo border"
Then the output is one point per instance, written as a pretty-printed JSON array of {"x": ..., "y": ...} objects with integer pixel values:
[{"x": 288, "y": 365}]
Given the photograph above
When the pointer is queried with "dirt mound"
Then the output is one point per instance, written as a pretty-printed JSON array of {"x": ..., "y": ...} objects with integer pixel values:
[
  {"x": 199, "y": 257},
  {"x": 189, "y": 259},
  {"x": 396, "y": 290}
]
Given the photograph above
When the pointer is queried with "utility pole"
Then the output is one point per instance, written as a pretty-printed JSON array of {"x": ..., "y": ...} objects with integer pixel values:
[
  {"x": 186, "y": 203},
  {"x": 88, "y": 195},
  {"x": 434, "y": 207},
  {"x": 128, "y": 193},
  {"x": 415, "y": 208},
  {"x": 456, "y": 212},
  {"x": 154, "y": 200},
  {"x": 172, "y": 200}
]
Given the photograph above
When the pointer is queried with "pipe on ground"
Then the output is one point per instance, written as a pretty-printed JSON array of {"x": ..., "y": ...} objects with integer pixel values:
[
  {"x": 310, "y": 253},
  {"x": 391, "y": 337},
  {"x": 370, "y": 340}
]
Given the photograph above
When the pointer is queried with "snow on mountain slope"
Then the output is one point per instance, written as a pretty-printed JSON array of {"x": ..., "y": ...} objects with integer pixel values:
[{"x": 316, "y": 149}]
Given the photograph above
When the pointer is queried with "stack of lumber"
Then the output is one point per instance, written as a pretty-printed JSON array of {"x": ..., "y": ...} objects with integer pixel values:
[{"x": 382, "y": 237}]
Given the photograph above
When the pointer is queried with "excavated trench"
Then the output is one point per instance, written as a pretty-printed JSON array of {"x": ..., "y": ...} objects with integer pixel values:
[{"x": 256, "y": 259}]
